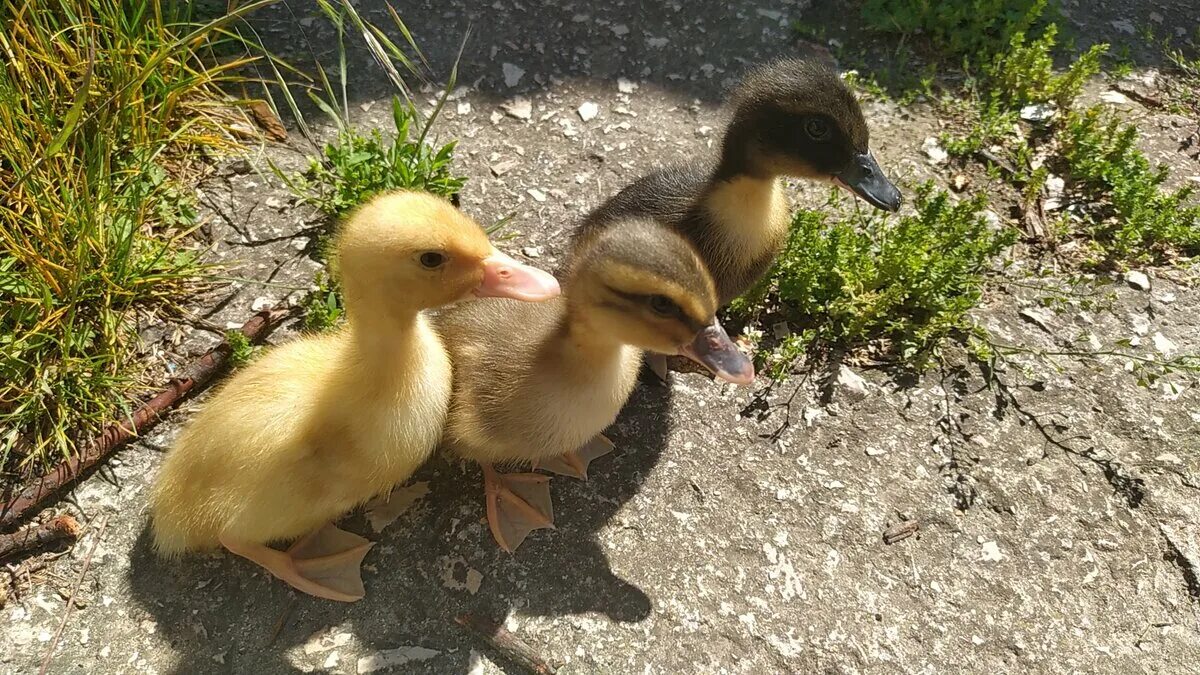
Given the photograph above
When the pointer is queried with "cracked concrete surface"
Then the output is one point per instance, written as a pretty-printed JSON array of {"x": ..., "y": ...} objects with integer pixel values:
[{"x": 736, "y": 530}]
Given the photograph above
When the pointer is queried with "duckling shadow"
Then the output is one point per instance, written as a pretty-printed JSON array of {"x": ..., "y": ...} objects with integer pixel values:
[{"x": 436, "y": 562}]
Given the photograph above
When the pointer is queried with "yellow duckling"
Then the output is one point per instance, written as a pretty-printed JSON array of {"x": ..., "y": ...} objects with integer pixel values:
[
  {"x": 318, "y": 426},
  {"x": 538, "y": 383}
]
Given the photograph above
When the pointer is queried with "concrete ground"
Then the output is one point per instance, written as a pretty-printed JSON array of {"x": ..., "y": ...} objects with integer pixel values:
[{"x": 1054, "y": 505}]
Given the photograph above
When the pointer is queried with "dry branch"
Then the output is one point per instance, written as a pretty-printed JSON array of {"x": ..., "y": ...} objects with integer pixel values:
[
  {"x": 37, "y": 536},
  {"x": 201, "y": 373},
  {"x": 516, "y": 651}
]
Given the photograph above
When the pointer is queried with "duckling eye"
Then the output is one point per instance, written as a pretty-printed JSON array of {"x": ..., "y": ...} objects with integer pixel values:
[
  {"x": 816, "y": 128},
  {"x": 663, "y": 305},
  {"x": 432, "y": 260}
]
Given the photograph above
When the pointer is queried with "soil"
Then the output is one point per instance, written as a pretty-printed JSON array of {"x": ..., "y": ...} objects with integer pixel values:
[{"x": 1052, "y": 505}]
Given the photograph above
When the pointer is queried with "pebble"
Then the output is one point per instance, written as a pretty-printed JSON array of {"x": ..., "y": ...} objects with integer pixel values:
[
  {"x": 1114, "y": 98},
  {"x": 991, "y": 552},
  {"x": 1124, "y": 25},
  {"x": 501, "y": 168},
  {"x": 464, "y": 107},
  {"x": 1164, "y": 345},
  {"x": 519, "y": 107},
  {"x": 512, "y": 74},
  {"x": 532, "y": 251},
  {"x": 620, "y": 30},
  {"x": 1137, "y": 280},
  {"x": 657, "y": 42},
  {"x": 538, "y": 195},
  {"x": 388, "y": 658},
  {"x": 934, "y": 150},
  {"x": 626, "y": 86},
  {"x": 588, "y": 111},
  {"x": 849, "y": 384},
  {"x": 1038, "y": 113}
]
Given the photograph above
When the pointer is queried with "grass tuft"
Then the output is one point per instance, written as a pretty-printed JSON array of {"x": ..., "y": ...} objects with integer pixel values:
[{"x": 101, "y": 102}]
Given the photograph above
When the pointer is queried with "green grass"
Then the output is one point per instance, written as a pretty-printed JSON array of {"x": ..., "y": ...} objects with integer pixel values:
[
  {"x": 102, "y": 102},
  {"x": 971, "y": 30},
  {"x": 899, "y": 285}
]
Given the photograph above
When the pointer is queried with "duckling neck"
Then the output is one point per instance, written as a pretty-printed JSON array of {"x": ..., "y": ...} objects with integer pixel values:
[
  {"x": 735, "y": 160},
  {"x": 584, "y": 347},
  {"x": 383, "y": 338}
]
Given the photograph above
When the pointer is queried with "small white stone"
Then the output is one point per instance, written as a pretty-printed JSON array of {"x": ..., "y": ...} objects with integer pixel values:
[
  {"x": 991, "y": 552},
  {"x": 1164, "y": 345},
  {"x": 934, "y": 151},
  {"x": 300, "y": 243},
  {"x": 331, "y": 661},
  {"x": 532, "y": 251},
  {"x": 512, "y": 74},
  {"x": 873, "y": 451},
  {"x": 538, "y": 195},
  {"x": 464, "y": 107},
  {"x": 1125, "y": 26},
  {"x": 260, "y": 303},
  {"x": 626, "y": 86},
  {"x": 1141, "y": 324},
  {"x": 657, "y": 42},
  {"x": 519, "y": 107},
  {"x": 588, "y": 111},
  {"x": 1169, "y": 458},
  {"x": 1137, "y": 280},
  {"x": 387, "y": 658},
  {"x": 1114, "y": 98},
  {"x": 849, "y": 384},
  {"x": 771, "y": 14},
  {"x": 1038, "y": 113},
  {"x": 620, "y": 30}
]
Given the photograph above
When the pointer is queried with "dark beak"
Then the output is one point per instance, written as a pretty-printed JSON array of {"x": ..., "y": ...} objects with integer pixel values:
[
  {"x": 863, "y": 177},
  {"x": 713, "y": 349}
]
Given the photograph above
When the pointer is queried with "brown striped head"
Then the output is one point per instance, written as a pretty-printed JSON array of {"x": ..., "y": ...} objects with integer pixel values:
[{"x": 643, "y": 284}]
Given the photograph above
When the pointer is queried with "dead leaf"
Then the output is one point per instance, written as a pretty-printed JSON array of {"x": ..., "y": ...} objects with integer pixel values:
[
  {"x": 385, "y": 509},
  {"x": 268, "y": 121}
]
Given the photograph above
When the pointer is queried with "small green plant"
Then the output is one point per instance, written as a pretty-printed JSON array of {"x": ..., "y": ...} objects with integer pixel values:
[
  {"x": 1131, "y": 218},
  {"x": 903, "y": 283},
  {"x": 355, "y": 166},
  {"x": 240, "y": 349},
  {"x": 971, "y": 29},
  {"x": 323, "y": 307},
  {"x": 1024, "y": 74}
]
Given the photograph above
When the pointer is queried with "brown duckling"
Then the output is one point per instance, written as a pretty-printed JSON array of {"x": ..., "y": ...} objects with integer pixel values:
[
  {"x": 320, "y": 425},
  {"x": 790, "y": 118},
  {"x": 538, "y": 383}
]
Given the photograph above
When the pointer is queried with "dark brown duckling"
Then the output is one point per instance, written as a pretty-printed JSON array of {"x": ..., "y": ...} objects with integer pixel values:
[{"x": 790, "y": 118}]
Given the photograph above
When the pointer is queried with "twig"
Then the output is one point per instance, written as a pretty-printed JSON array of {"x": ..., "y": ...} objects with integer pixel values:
[
  {"x": 36, "y": 536},
  {"x": 516, "y": 651},
  {"x": 282, "y": 621},
  {"x": 87, "y": 562},
  {"x": 202, "y": 372}
]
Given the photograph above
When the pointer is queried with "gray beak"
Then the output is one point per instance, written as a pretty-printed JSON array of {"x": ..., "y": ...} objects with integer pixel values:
[
  {"x": 863, "y": 177},
  {"x": 713, "y": 349}
]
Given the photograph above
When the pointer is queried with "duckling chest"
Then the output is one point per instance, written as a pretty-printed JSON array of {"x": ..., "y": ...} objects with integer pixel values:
[
  {"x": 401, "y": 426},
  {"x": 572, "y": 408},
  {"x": 743, "y": 225}
]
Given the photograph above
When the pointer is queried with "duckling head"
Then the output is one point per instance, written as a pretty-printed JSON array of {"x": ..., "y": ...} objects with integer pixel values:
[
  {"x": 412, "y": 250},
  {"x": 797, "y": 118},
  {"x": 642, "y": 284}
]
